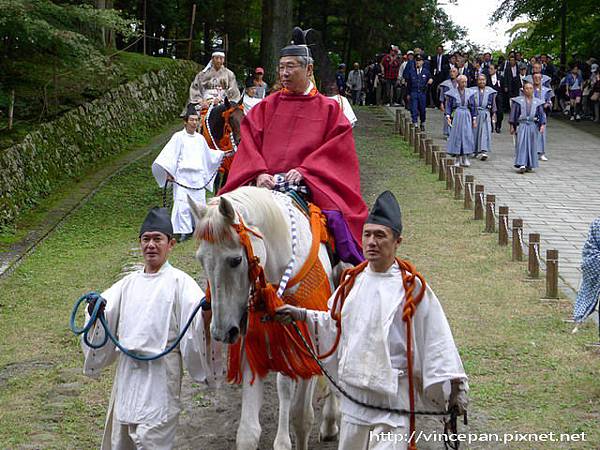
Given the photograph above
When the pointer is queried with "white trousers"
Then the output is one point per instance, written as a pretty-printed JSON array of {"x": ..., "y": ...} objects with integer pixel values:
[
  {"x": 372, "y": 437},
  {"x": 181, "y": 216}
]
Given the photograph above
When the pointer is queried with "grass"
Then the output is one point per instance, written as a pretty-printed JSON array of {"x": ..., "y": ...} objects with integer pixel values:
[
  {"x": 75, "y": 86},
  {"x": 527, "y": 373}
]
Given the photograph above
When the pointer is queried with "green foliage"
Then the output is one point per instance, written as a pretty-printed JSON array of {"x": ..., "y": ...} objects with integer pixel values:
[{"x": 541, "y": 32}]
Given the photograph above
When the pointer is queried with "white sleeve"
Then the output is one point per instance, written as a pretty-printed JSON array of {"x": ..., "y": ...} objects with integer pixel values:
[
  {"x": 167, "y": 160},
  {"x": 202, "y": 358},
  {"x": 97, "y": 359},
  {"x": 349, "y": 112},
  {"x": 212, "y": 161}
]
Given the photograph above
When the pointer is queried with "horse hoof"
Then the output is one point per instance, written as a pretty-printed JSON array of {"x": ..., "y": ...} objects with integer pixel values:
[{"x": 328, "y": 438}]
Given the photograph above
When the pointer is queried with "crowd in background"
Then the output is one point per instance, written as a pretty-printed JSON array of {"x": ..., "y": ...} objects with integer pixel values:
[{"x": 384, "y": 79}]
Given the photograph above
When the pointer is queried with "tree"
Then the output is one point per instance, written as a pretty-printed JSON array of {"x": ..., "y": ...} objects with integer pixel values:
[{"x": 37, "y": 32}]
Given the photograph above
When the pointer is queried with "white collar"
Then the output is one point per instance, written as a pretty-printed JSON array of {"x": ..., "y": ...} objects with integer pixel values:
[{"x": 309, "y": 88}]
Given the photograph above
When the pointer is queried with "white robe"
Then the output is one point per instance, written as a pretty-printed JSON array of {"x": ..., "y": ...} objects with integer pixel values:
[
  {"x": 346, "y": 108},
  {"x": 189, "y": 159},
  {"x": 371, "y": 358},
  {"x": 146, "y": 313}
]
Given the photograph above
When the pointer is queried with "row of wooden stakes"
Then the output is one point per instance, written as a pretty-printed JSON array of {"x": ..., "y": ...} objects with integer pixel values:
[{"x": 484, "y": 206}]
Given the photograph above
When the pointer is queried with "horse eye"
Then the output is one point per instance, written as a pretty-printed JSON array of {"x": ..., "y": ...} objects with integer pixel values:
[{"x": 234, "y": 262}]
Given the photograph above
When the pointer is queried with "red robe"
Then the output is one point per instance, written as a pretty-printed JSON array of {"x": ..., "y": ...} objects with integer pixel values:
[{"x": 310, "y": 134}]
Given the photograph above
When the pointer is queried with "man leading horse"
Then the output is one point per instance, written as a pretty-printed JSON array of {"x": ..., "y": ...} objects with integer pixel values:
[{"x": 305, "y": 138}]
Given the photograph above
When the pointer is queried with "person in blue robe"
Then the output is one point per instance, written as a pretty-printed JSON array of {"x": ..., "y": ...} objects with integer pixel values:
[
  {"x": 484, "y": 103},
  {"x": 527, "y": 120},
  {"x": 461, "y": 118},
  {"x": 444, "y": 87},
  {"x": 546, "y": 94},
  {"x": 537, "y": 68}
]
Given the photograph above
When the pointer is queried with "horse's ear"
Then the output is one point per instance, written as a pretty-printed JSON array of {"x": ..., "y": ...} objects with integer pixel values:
[
  {"x": 198, "y": 211},
  {"x": 227, "y": 103},
  {"x": 226, "y": 209}
]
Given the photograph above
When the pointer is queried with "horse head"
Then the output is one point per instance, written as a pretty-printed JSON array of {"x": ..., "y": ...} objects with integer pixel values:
[
  {"x": 224, "y": 121},
  {"x": 226, "y": 265}
]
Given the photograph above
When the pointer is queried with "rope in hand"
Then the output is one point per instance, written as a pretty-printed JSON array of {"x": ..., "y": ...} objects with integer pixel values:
[
  {"x": 191, "y": 188},
  {"x": 97, "y": 314},
  {"x": 450, "y": 425}
]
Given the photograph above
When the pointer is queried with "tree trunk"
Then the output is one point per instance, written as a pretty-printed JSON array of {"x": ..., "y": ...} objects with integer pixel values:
[
  {"x": 11, "y": 108},
  {"x": 275, "y": 33},
  {"x": 563, "y": 35}
]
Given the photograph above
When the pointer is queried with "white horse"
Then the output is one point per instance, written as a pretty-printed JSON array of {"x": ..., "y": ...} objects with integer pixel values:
[{"x": 226, "y": 266}]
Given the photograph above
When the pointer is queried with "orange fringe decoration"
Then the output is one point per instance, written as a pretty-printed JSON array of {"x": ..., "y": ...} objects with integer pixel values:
[{"x": 270, "y": 345}]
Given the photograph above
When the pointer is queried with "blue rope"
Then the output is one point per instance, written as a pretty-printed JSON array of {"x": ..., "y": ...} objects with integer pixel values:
[{"x": 85, "y": 330}]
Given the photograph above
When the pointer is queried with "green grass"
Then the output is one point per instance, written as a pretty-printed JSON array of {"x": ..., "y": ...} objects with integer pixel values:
[
  {"x": 79, "y": 186},
  {"x": 75, "y": 86},
  {"x": 527, "y": 373}
]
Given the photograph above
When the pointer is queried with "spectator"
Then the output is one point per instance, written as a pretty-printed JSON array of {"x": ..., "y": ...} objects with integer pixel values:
[
  {"x": 340, "y": 79},
  {"x": 260, "y": 86},
  {"x": 391, "y": 67},
  {"x": 574, "y": 85},
  {"x": 356, "y": 83},
  {"x": 595, "y": 95}
]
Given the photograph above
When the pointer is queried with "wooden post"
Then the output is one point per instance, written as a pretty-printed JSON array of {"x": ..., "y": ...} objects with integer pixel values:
[
  {"x": 417, "y": 142},
  {"x": 517, "y": 240},
  {"x": 469, "y": 180},
  {"x": 144, "y": 27},
  {"x": 551, "y": 273},
  {"x": 534, "y": 251},
  {"x": 436, "y": 156},
  {"x": 449, "y": 174},
  {"x": 11, "y": 108},
  {"x": 406, "y": 126},
  {"x": 423, "y": 146},
  {"x": 429, "y": 151},
  {"x": 479, "y": 190},
  {"x": 458, "y": 183},
  {"x": 441, "y": 169},
  {"x": 189, "y": 56},
  {"x": 396, "y": 123},
  {"x": 490, "y": 211},
  {"x": 503, "y": 226},
  {"x": 411, "y": 134}
]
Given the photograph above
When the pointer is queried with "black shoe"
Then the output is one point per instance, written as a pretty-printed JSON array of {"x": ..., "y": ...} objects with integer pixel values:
[
  {"x": 422, "y": 127},
  {"x": 184, "y": 237}
]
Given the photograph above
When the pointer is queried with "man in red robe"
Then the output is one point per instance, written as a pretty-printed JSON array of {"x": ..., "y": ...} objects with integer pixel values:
[{"x": 305, "y": 136}]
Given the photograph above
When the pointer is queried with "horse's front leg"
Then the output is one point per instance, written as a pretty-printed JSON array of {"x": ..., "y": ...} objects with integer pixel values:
[
  {"x": 248, "y": 433},
  {"x": 330, "y": 417},
  {"x": 303, "y": 414},
  {"x": 285, "y": 391}
]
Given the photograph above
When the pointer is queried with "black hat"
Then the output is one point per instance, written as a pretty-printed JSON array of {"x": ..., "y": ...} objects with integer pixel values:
[
  {"x": 191, "y": 110},
  {"x": 158, "y": 219},
  {"x": 419, "y": 58},
  {"x": 298, "y": 45},
  {"x": 250, "y": 83},
  {"x": 386, "y": 211}
]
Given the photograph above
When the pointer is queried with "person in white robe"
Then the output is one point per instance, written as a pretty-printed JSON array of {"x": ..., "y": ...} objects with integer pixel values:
[
  {"x": 191, "y": 165},
  {"x": 346, "y": 108},
  {"x": 371, "y": 360},
  {"x": 214, "y": 83},
  {"x": 250, "y": 98},
  {"x": 146, "y": 311}
]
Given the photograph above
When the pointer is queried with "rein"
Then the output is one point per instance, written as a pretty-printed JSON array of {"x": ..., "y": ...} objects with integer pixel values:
[
  {"x": 99, "y": 315},
  {"x": 409, "y": 276}
]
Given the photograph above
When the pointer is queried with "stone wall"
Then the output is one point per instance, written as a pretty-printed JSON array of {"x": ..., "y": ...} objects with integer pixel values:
[{"x": 66, "y": 147}]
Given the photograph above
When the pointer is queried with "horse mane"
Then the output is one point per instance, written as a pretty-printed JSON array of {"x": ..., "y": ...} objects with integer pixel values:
[{"x": 254, "y": 205}]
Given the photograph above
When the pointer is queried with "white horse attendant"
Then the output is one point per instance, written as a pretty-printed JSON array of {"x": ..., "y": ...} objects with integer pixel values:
[{"x": 269, "y": 217}]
